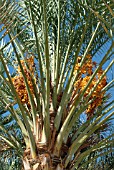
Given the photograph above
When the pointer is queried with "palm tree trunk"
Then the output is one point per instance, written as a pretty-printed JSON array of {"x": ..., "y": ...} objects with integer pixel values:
[{"x": 43, "y": 162}]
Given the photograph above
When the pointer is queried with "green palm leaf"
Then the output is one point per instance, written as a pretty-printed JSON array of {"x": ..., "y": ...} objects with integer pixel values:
[{"x": 40, "y": 45}]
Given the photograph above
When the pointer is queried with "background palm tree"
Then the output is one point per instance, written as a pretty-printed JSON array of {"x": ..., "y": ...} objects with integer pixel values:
[{"x": 49, "y": 81}]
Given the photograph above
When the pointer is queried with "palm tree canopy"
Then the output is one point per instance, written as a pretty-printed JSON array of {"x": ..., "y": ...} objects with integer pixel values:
[{"x": 55, "y": 56}]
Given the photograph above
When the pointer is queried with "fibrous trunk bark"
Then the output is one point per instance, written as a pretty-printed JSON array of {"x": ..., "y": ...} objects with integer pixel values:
[
  {"x": 44, "y": 161},
  {"x": 44, "y": 165}
]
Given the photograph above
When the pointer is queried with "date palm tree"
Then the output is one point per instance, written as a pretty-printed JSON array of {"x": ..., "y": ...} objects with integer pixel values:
[{"x": 54, "y": 96}]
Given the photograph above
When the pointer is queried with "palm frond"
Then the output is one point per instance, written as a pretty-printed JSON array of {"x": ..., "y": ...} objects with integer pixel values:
[{"x": 49, "y": 79}]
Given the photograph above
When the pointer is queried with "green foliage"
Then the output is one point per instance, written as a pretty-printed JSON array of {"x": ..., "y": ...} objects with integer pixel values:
[
  {"x": 10, "y": 161},
  {"x": 55, "y": 33}
]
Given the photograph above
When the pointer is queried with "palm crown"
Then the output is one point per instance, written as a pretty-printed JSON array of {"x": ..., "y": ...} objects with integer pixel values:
[{"x": 49, "y": 79}]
